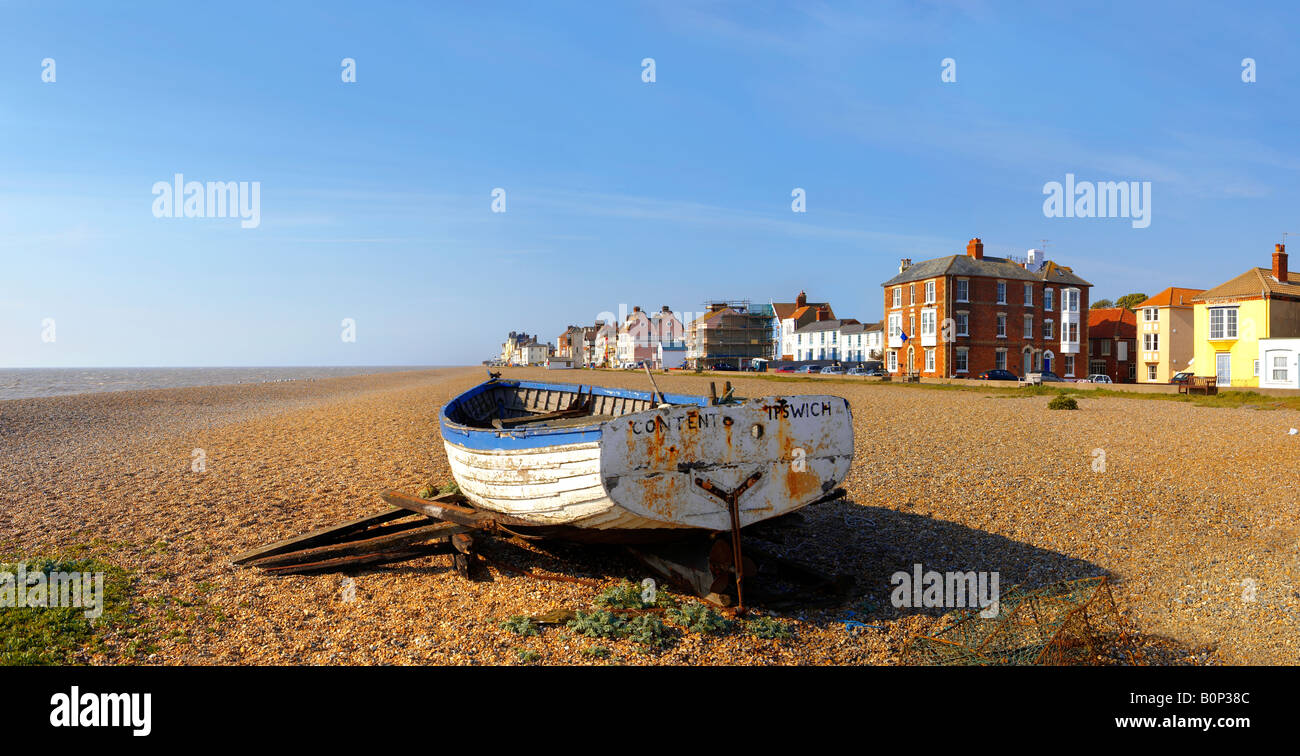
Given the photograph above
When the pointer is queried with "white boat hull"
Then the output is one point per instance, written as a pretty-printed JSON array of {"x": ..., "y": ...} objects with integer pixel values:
[{"x": 644, "y": 470}]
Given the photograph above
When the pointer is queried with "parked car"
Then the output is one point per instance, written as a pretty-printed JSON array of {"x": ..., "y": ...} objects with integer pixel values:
[
  {"x": 997, "y": 375},
  {"x": 1097, "y": 378},
  {"x": 807, "y": 369},
  {"x": 832, "y": 370},
  {"x": 723, "y": 366},
  {"x": 786, "y": 369},
  {"x": 1050, "y": 377},
  {"x": 859, "y": 370},
  {"x": 877, "y": 372},
  {"x": 1182, "y": 377}
]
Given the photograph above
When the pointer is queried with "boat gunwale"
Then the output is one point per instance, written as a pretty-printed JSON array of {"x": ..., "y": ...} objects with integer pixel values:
[{"x": 586, "y": 432}]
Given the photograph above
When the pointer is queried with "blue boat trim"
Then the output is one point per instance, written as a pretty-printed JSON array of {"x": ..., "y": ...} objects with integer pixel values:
[{"x": 534, "y": 438}]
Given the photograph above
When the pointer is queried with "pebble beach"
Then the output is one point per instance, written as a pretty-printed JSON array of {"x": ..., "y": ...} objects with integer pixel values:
[{"x": 1194, "y": 513}]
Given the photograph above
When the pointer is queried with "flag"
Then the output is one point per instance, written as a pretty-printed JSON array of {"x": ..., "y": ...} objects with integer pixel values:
[{"x": 903, "y": 334}]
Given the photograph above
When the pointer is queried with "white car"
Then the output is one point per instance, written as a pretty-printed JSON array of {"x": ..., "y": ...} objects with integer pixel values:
[{"x": 1097, "y": 378}]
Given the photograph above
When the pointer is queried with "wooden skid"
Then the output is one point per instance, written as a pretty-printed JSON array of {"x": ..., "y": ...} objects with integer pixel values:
[
  {"x": 361, "y": 560},
  {"x": 328, "y": 534},
  {"x": 366, "y": 546}
]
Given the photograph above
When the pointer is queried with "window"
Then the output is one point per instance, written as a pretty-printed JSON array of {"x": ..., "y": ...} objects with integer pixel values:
[
  {"x": 1000, "y": 359},
  {"x": 898, "y": 296},
  {"x": 911, "y": 325},
  {"x": 1123, "y": 352},
  {"x": 962, "y": 360},
  {"x": 1279, "y": 370},
  {"x": 1151, "y": 314},
  {"x": 893, "y": 361},
  {"x": 1223, "y": 322},
  {"x": 1071, "y": 301},
  {"x": 1002, "y": 326},
  {"x": 1047, "y": 329},
  {"x": 1069, "y": 364},
  {"x": 1029, "y": 326},
  {"x": 1097, "y": 367},
  {"x": 1029, "y": 295},
  {"x": 929, "y": 360},
  {"x": 1151, "y": 342},
  {"x": 911, "y": 293},
  {"x": 1070, "y": 332},
  {"x": 1105, "y": 348},
  {"x": 1132, "y": 370},
  {"x": 1151, "y": 372},
  {"x": 929, "y": 292},
  {"x": 1048, "y": 297},
  {"x": 927, "y": 322},
  {"x": 963, "y": 324},
  {"x": 895, "y": 325},
  {"x": 963, "y": 290},
  {"x": 1002, "y": 292}
]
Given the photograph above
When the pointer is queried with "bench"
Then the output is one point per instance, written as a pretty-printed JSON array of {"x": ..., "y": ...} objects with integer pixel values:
[
  {"x": 1031, "y": 379},
  {"x": 1200, "y": 384}
]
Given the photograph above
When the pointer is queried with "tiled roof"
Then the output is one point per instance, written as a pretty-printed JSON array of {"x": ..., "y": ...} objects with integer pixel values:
[
  {"x": 1112, "y": 323},
  {"x": 1174, "y": 296},
  {"x": 1254, "y": 283},
  {"x": 992, "y": 267},
  {"x": 824, "y": 325}
]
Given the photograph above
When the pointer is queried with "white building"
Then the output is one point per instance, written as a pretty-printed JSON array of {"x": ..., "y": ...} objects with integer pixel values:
[
  {"x": 860, "y": 342},
  {"x": 1279, "y": 363},
  {"x": 791, "y": 316}
]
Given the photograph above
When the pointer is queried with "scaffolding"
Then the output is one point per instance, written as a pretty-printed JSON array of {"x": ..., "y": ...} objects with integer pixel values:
[{"x": 735, "y": 332}]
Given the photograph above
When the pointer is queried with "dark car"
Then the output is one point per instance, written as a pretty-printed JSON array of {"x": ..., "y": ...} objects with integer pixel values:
[
  {"x": 997, "y": 375},
  {"x": 724, "y": 366},
  {"x": 1050, "y": 377},
  {"x": 877, "y": 372},
  {"x": 1182, "y": 377}
]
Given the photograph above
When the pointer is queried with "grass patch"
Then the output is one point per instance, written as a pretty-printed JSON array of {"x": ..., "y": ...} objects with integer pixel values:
[
  {"x": 59, "y": 635},
  {"x": 698, "y": 618},
  {"x": 430, "y": 490},
  {"x": 596, "y": 652},
  {"x": 1227, "y": 397},
  {"x": 601, "y": 624},
  {"x": 521, "y": 625},
  {"x": 628, "y": 595},
  {"x": 1063, "y": 402},
  {"x": 650, "y": 633},
  {"x": 527, "y": 656},
  {"x": 768, "y": 628}
]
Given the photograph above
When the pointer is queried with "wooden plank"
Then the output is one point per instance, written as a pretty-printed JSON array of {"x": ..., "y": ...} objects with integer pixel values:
[
  {"x": 366, "y": 546},
  {"x": 322, "y": 535},
  {"x": 361, "y": 560}
]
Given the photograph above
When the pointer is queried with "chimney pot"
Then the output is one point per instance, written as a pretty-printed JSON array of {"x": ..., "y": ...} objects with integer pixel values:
[
  {"x": 1279, "y": 262},
  {"x": 975, "y": 248},
  {"x": 801, "y": 300}
]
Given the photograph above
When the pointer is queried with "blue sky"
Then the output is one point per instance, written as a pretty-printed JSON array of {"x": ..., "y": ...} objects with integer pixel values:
[{"x": 376, "y": 195}]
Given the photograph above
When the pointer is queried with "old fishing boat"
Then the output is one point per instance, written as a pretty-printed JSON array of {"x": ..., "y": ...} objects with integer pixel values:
[{"x": 621, "y": 465}]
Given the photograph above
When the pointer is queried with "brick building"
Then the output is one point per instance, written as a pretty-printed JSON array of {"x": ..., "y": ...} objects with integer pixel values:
[
  {"x": 1112, "y": 343},
  {"x": 959, "y": 315}
]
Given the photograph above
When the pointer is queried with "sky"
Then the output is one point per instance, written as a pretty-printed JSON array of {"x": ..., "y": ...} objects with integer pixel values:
[{"x": 376, "y": 196}]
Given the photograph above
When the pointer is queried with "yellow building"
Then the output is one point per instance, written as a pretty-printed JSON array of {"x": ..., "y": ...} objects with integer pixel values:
[
  {"x": 1230, "y": 319},
  {"x": 1166, "y": 340}
]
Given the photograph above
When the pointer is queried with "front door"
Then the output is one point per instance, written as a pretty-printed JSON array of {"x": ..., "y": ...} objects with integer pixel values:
[
  {"x": 1029, "y": 363},
  {"x": 1047, "y": 363},
  {"x": 1223, "y": 368}
]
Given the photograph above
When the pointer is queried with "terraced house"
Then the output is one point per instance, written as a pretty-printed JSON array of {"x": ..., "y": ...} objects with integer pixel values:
[
  {"x": 1248, "y": 328},
  {"x": 1166, "y": 336},
  {"x": 958, "y": 315}
]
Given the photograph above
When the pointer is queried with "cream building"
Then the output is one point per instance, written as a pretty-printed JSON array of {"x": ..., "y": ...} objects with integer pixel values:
[{"x": 1165, "y": 337}]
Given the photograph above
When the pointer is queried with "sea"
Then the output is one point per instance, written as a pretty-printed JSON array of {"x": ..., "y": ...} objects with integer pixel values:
[{"x": 20, "y": 383}]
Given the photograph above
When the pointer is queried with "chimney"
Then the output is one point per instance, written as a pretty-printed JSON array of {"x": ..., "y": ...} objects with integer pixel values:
[
  {"x": 823, "y": 313},
  {"x": 801, "y": 300},
  {"x": 975, "y": 248},
  {"x": 665, "y": 309},
  {"x": 904, "y": 264},
  {"x": 1279, "y": 262}
]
